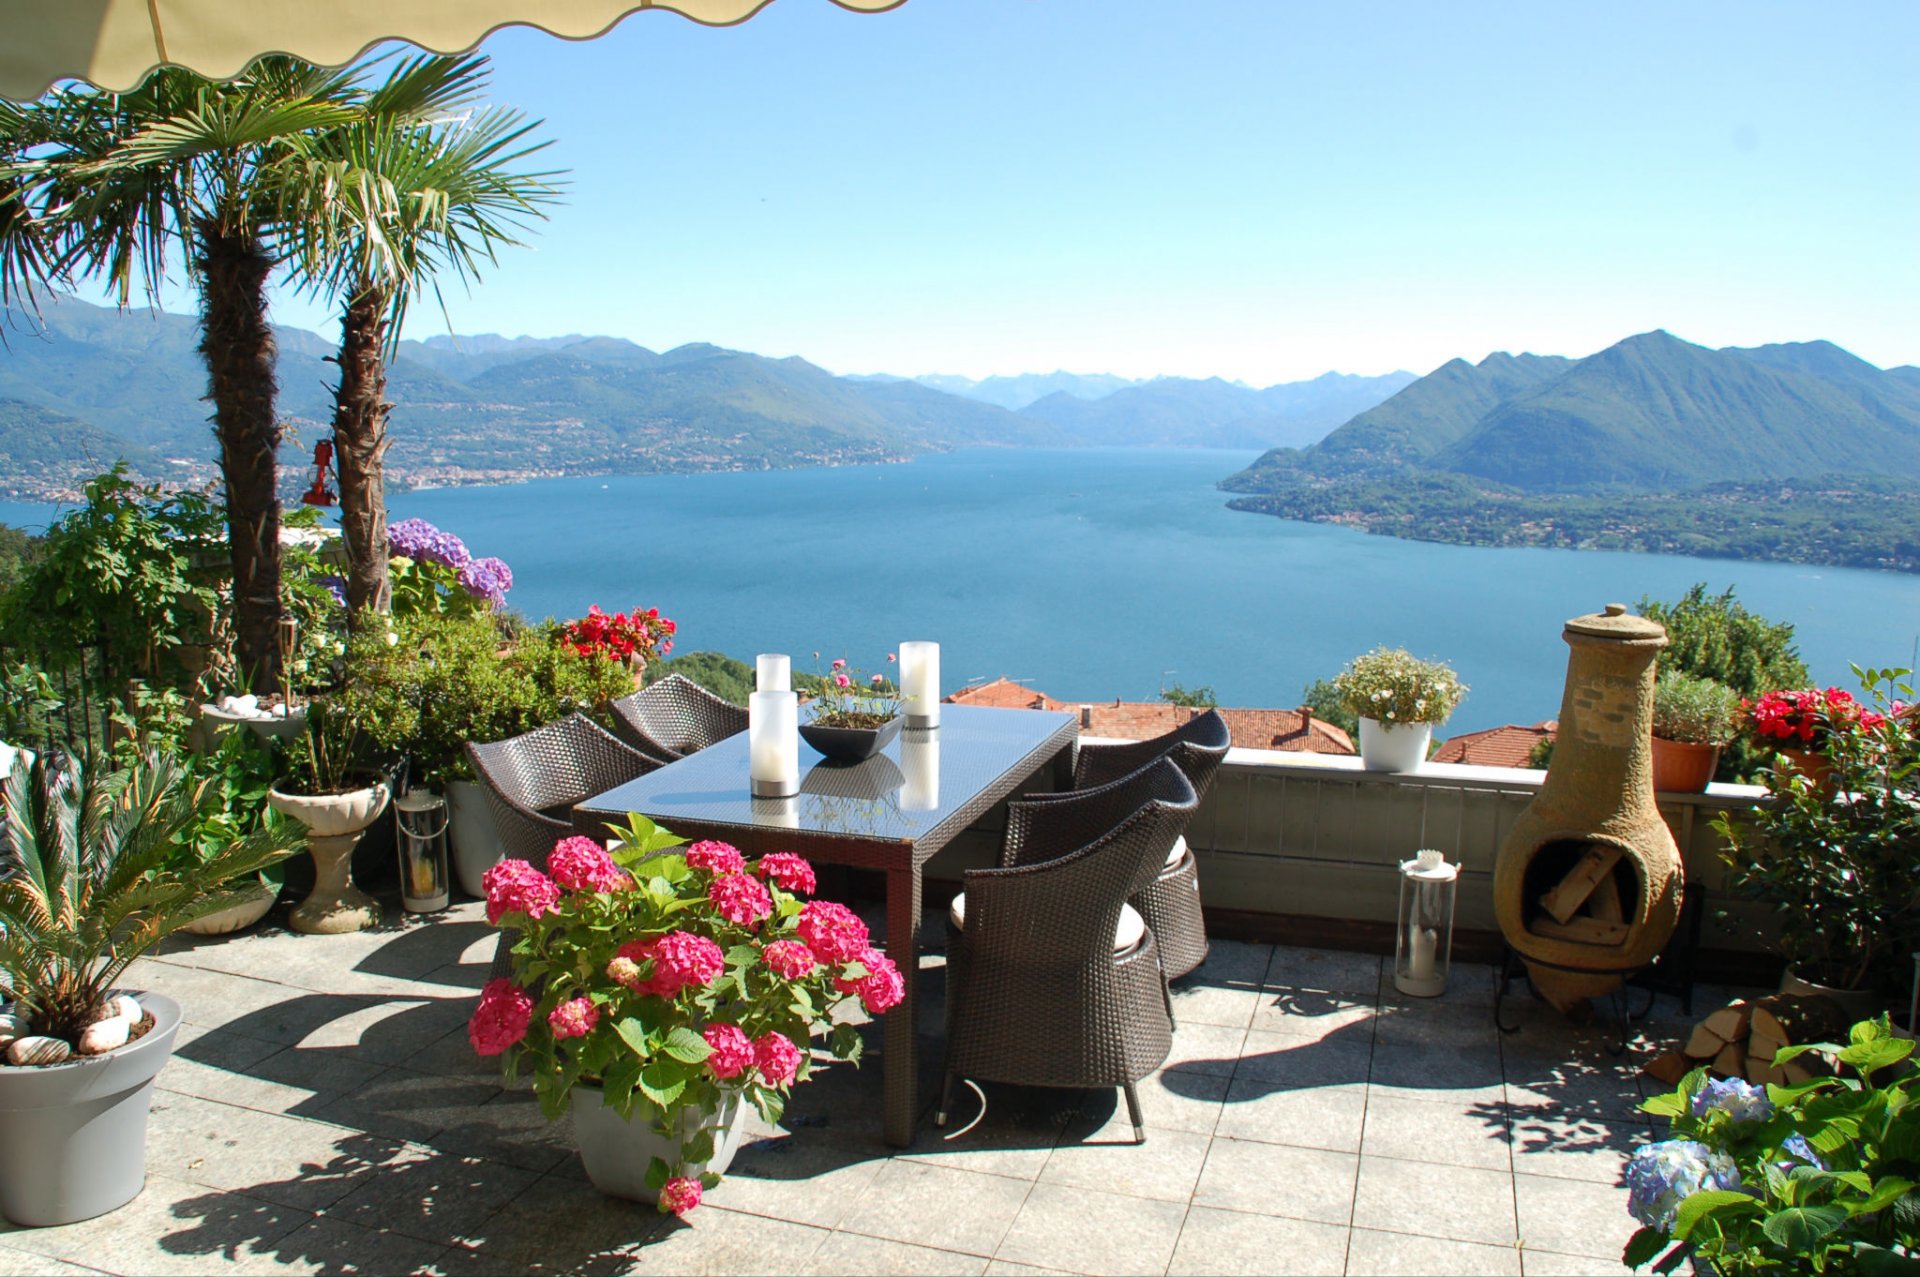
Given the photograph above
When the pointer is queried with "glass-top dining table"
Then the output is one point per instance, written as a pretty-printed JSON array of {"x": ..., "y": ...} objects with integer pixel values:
[{"x": 891, "y": 813}]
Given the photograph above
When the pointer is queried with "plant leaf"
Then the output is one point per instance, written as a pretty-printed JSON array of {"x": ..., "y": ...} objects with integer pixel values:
[
  {"x": 1797, "y": 1228},
  {"x": 686, "y": 1046},
  {"x": 1707, "y": 1202}
]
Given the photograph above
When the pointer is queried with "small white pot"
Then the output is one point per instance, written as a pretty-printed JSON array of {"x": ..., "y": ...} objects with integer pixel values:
[
  {"x": 1401, "y": 747},
  {"x": 617, "y": 1151},
  {"x": 476, "y": 843}
]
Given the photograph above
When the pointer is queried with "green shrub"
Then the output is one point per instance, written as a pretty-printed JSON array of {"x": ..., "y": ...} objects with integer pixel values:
[
  {"x": 1714, "y": 636},
  {"x": 1694, "y": 711},
  {"x": 720, "y": 674}
]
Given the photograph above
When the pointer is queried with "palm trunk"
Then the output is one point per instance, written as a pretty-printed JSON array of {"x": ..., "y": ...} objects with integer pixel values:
[
  {"x": 360, "y": 449},
  {"x": 238, "y": 345}
]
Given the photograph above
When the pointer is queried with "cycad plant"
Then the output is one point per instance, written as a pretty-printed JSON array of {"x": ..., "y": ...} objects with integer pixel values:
[{"x": 97, "y": 869}]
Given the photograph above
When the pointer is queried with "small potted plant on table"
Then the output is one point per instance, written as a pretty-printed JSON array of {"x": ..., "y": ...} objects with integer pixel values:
[
  {"x": 657, "y": 991},
  {"x": 1399, "y": 699},
  {"x": 91, "y": 877},
  {"x": 852, "y": 715},
  {"x": 1693, "y": 718}
]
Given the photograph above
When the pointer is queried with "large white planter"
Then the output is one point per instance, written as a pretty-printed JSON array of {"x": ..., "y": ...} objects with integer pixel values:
[
  {"x": 476, "y": 842},
  {"x": 617, "y": 1151},
  {"x": 238, "y": 917},
  {"x": 1401, "y": 747},
  {"x": 334, "y": 824}
]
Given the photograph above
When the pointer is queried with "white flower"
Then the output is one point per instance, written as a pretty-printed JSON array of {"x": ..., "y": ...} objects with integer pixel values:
[
  {"x": 339, "y": 648},
  {"x": 393, "y": 639},
  {"x": 299, "y": 667}
]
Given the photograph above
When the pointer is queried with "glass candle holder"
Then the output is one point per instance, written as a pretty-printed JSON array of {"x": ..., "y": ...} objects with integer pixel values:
[
  {"x": 772, "y": 672},
  {"x": 1423, "y": 943},
  {"x": 421, "y": 816},
  {"x": 920, "y": 684},
  {"x": 773, "y": 744}
]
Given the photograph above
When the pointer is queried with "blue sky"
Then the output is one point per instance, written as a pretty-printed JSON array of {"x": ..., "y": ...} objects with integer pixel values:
[{"x": 1255, "y": 189}]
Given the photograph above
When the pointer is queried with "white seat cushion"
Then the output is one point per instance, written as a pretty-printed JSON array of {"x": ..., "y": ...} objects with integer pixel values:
[
  {"x": 1178, "y": 851},
  {"x": 1132, "y": 928}
]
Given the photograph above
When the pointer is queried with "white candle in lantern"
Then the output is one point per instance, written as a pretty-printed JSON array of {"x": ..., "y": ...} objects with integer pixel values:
[
  {"x": 920, "y": 683},
  {"x": 773, "y": 744},
  {"x": 1421, "y": 944},
  {"x": 772, "y": 672}
]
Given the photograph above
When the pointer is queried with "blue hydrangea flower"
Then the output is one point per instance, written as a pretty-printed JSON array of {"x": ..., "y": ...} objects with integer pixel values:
[
  {"x": 1796, "y": 1146},
  {"x": 1661, "y": 1176},
  {"x": 419, "y": 540},
  {"x": 336, "y": 586},
  {"x": 488, "y": 579},
  {"x": 1738, "y": 1099}
]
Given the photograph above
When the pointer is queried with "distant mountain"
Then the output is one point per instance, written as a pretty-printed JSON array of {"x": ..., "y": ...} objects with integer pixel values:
[
  {"x": 1016, "y": 392},
  {"x": 49, "y": 445},
  {"x": 1178, "y": 412}
]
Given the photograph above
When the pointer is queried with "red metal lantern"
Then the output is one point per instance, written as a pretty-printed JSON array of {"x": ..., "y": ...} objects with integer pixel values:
[{"x": 320, "y": 493}]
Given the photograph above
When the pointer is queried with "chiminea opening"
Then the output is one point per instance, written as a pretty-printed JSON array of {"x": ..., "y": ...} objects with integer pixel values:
[{"x": 1581, "y": 891}]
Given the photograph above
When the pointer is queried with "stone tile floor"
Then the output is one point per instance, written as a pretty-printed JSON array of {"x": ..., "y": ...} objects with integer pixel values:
[{"x": 324, "y": 1113}]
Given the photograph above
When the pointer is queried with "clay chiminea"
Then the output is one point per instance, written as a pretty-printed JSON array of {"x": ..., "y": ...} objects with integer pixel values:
[{"x": 1587, "y": 885}]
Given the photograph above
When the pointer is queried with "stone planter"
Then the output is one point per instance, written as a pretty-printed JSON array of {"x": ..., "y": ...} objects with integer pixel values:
[
  {"x": 1401, "y": 747},
  {"x": 476, "y": 842},
  {"x": 237, "y": 917},
  {"x": 617, "y": 1151},
  {"x": 334, "y": 824},
  {"x": 1855, "y": 1004},
  {"x": 1681, "y": 767},
  {"x": 215, "y": 722},
  {"x": 75, "y": 1142}
]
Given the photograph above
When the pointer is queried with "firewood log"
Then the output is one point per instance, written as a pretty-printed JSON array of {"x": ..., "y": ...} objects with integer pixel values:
[
  {"x": 1793, "y": 1019},
  {"x": 1668, "y": 1067},
  {"x": 1566, "y": 897},
  {"x": 1731, "y": 1062},
  {"x": 1704, "y": 1043},
  {"x": 1729, "y": 1023}
]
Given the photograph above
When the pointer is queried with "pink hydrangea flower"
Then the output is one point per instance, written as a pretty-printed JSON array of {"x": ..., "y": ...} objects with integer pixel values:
[
  {"x": 514, "y": 886},
  {"x": 788, "y": 871},
  {"x": 679, "y": 1195},
  {"x": 881, "y": 988},
  {"x": 573, "y": 1019},
  {"x": 624, "y": 969},
  {"x": 732, "y": 1050},
  {"x": 581, "y": 864},
  {"x": 502, "y": 1017},
  {"x": 740, "y": 899},
  {"x": 716, "y": 857},
  {"x": 682, "y": 958},
  {"x": 789, "y": 959},
  {"x": 777, "y": 1058},
  {"x": 832, "y": 931}
]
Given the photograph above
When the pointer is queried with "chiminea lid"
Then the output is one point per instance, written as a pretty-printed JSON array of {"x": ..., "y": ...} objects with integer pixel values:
[{"x": 1619, "y": 624}]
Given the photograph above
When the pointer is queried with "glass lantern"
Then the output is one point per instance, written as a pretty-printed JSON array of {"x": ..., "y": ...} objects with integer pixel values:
[
  {"x": 422, "y": 818},
  {"x": 1423, "y": 942}
]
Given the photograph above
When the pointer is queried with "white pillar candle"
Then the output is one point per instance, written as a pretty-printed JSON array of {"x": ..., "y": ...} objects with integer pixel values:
[
  {"x": 920, "y": 683},
  {"x": 920, "y": 759},
  {"x": 773, "y": 744},
  {"x": 1420, "y": 952},
  {"x": 772, "y": 672}
]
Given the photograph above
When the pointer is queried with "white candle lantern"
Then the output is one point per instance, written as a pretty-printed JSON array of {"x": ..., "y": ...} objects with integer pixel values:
[
  {"x": 772, "y": 672},
  {"x": 920, "y": 760},
  {"x": 421, "y": 816},
  {"x": 920, "y": 684},
  {"x": 1423, "y": 945},
  {"x": 773, "y": 744}
]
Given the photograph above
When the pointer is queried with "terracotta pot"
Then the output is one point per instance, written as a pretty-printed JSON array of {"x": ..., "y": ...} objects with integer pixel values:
[
  {"x": 1816, "y": 767},
  {"x": 1681, "y": 767}
]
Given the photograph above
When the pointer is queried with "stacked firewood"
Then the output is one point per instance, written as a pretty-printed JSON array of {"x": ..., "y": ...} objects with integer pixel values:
[{"x": 1741, "y": 1039}]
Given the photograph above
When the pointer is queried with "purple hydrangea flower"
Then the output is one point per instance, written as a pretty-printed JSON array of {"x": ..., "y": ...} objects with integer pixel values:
[
  {"x": 1661, "y": 1176},
  {"x": 488, "y": 579},
  {"x": 1796, "y": 1146},
  {"x": 1737, "y": 1098},
  {"x": 419, "y": 540},
  {"x": 336, "y": 586}
]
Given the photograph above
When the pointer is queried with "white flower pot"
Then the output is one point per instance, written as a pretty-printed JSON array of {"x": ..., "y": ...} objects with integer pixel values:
[
  {"x": 236, "y": 917},
  {"x": 617, "y": 1151},
  {"x": 1398, "y": 747},
  {"x": 476, "y": 843}
]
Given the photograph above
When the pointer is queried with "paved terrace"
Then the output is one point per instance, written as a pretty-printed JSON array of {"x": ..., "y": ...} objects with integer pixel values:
[{"x": 324, "y": 1113}]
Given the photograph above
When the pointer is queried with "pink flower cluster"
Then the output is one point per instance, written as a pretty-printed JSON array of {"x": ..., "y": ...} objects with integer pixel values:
[
  {"x": 788, "y": 872},
  {"x": 716, "y": 857},
  {"x": 740, "y": 899},
  {"x": 732, "y": 1050},
  {"x": 881, "y": 988},
  {"x": 514, "y": 886},
  {"x": 832, "y": 931},
  {"x": 502, "y": 1018},
  {"x": 789, "y": 959},
  {"x": 777, "y": 1058},
  {"x": 574, "y": 1019},
  {"x": 581, "y": 864},
  {"x": 679, "y": 959},
  {"x": 679, "y": 1195}
]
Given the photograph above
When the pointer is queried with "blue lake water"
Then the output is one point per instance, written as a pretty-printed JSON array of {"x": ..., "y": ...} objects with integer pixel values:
[{"x": 1095, "y": 574}]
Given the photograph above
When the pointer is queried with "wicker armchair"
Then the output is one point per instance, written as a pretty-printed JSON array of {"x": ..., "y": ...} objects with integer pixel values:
[
  {"x": 675, "y": 717},
  {"x": 532, "y": 781},
  {"x": 1052, "y": 978},
  {"x": 1171, "y": 905}
]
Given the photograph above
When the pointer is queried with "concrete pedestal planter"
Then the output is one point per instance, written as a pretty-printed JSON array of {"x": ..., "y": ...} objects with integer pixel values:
[
  {"x": 335, "y": 822},
  {"x": 476, "y": 843},
  {"x": 73, "y": 1136},
  {"x": 617, "y": 1151},
  {"x": 1398, "y": 747}
]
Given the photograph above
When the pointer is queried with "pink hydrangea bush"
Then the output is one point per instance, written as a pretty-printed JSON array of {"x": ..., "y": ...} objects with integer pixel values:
[{"x": 673, "y": 978}]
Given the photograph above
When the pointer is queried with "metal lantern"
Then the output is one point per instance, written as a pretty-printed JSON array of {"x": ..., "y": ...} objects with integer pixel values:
[
  {"x": 1423, "y": 939},
  {"x": 422, "y": 817}
]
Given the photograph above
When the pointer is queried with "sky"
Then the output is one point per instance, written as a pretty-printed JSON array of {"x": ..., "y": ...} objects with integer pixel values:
[{"x": 1261, "y": 190}]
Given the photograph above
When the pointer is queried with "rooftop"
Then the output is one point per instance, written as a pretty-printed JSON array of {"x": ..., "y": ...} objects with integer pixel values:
[
  {"x": 1508, "y": 746},
  {"x": 1289, "y": 730}
]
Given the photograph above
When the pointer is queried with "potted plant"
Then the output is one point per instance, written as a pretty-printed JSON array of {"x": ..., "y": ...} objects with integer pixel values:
[
  {"x": 237, "y": 776},
  {"x": 1692, "y": 719},
  {"x": 1797, "y": 725},
  {"x": 631, "y": 638},
  {"x": 91, "y": 878},
  {"x": 329, "y": 789},
  {"x": 851, "y": 715},
  {"x": 1836, "y": 860},
  {"x": 1399, "y": 699},
  {"x": 656, "y": 991},
  {"x": 1815, "y": 1178}
]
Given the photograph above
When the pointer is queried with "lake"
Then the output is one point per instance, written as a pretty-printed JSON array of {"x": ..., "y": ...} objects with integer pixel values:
[{"x": 1091, "y": 574}]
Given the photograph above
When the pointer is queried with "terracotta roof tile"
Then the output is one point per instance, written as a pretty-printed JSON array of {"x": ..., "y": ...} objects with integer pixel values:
[
  {"x": 1004, "y": 693},
  {"x": 1507, "y": 746},
  {"x": 1293, "y": 730}
]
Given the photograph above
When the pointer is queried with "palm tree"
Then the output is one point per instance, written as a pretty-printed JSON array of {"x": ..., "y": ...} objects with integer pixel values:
[{"x": 375, "y": 212}]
